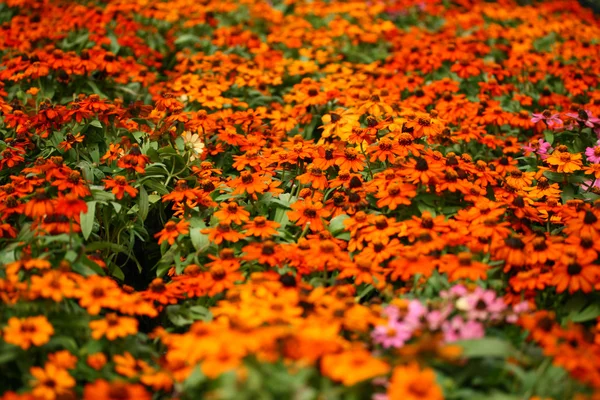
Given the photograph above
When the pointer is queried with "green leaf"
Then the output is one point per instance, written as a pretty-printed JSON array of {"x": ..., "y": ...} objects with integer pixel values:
[
  {"x": 199, "y": 240},
  {"x": 118, "y": 273},
  {"x": 87, "y": 220},
  {"x": 96, "y": 123},
  {"x": 157, "y": 187},
  {"x": 117, "y": 206},
  {"x": 549, "y": 136},
  {"x": 87, "y": 267},
  {"x": 99, "y": 194},
  {"x": 194, "y": 379},
  {"x": 337, "y": 224},
  {"x": 103, "y": 245},
  {"x": 486, "y": 347},
  {"x": 589, "y": 313},
  {"x": 153, "y": 198},
  {"x": 8, "y": 354},
  {"x": 143, "y": 203}
]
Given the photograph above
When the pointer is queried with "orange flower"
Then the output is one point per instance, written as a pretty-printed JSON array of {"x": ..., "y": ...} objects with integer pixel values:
[
  {"x": 308, "y": 212},
  {"x": 565, "y": 162},
  {"x": 339, "y": 123},
  {"x": 103, "y": 390},
  {"x": 410, "y": 382},
  {"x": 71, "y": 206},
  {"x": 315, "y": 176},
  {"x": 232, "y": 212},
  {"x": 119, "y": 186},
  {"x": 462, "y": 267},
  {"x": 172, "y": 230},
  {"x": 395, "y": 195},
  {"x": 575, "y": 276},
  {"x": 25, "y": 332},
  {"x": 353, "y": 366},
  {"x": 261, "y": 227},
  {"x": 223, "y": 232},
  {"x": 350, "y": 160},
  {"x": 39, "y": 205},
  {"x": 113, "y": 153},
  {"x": 96, "y": 361},
  {"x": 63, "y": 359},
  {"x": 249, "y": 183},
  {"x": 97, "y": 292},
  {"x": 134, "y": 161},
  {"x": 50, "y": 382},
  {"x": 363, "y": 270},
  {"x": 113, "y": 327}
]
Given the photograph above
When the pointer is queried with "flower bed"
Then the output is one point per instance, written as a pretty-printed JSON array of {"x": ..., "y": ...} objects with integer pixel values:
[{"x": 299, "y": 200}]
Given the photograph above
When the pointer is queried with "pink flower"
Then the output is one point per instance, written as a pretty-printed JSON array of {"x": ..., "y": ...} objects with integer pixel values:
[
  {"x": 395, "y": 334},
  {"x": 484, "y": 305},
  {"x": 455, "y": 291},
  {"x": 544, "y": 148},
  {"x": 416, "y": 312},
  {"x": 529, "y": 148},
  {"x": 517, "y": 309},
  {"x": 391, "y": 312},
  {"x": 541, "y": 148},
  {"x": 594, "y": 183},
  {"x": 593, "y": 153},
  {"x": 458, "y": 329},
  {"x": 380, "y": 396},
  {"x": 435, "y": 319},
  {"x": 551, "y": 120},
  {"x": 585, "y": 118}
]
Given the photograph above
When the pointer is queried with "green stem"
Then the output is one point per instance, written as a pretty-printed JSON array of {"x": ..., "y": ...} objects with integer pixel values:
[{"x": 367, "y": 160}]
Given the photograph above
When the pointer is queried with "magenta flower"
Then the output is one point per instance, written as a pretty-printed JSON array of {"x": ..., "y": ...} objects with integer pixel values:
[
  {"x": 585, "y": 118},
  {"x": 593, "y": 153},
  {"x": 544, "y": 148},
  {"x": 551, "y": 120},
  {"x": 541, "y": 148},
  {"x": 529, "y": 148}
]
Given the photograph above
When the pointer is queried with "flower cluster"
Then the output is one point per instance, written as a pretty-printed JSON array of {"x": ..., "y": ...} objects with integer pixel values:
[
  {"x": 461, "y": 315},
  {"x": 299, "y": 199}
]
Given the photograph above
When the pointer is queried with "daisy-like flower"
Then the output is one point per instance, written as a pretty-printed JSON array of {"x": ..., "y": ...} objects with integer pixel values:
[
  {"x": 194, "y": 143},
  {"x": 543, "y": 149},
  {"x": 551, "y": 120},
  {"x": 394, "y": 334},
  {"x": 593, "y": 153},
  {"x": 459, "y": 329},
  {"x": 586, "y": 118}
]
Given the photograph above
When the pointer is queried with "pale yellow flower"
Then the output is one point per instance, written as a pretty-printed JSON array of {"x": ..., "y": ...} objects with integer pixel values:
[{"x": 194, "y": 143}]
